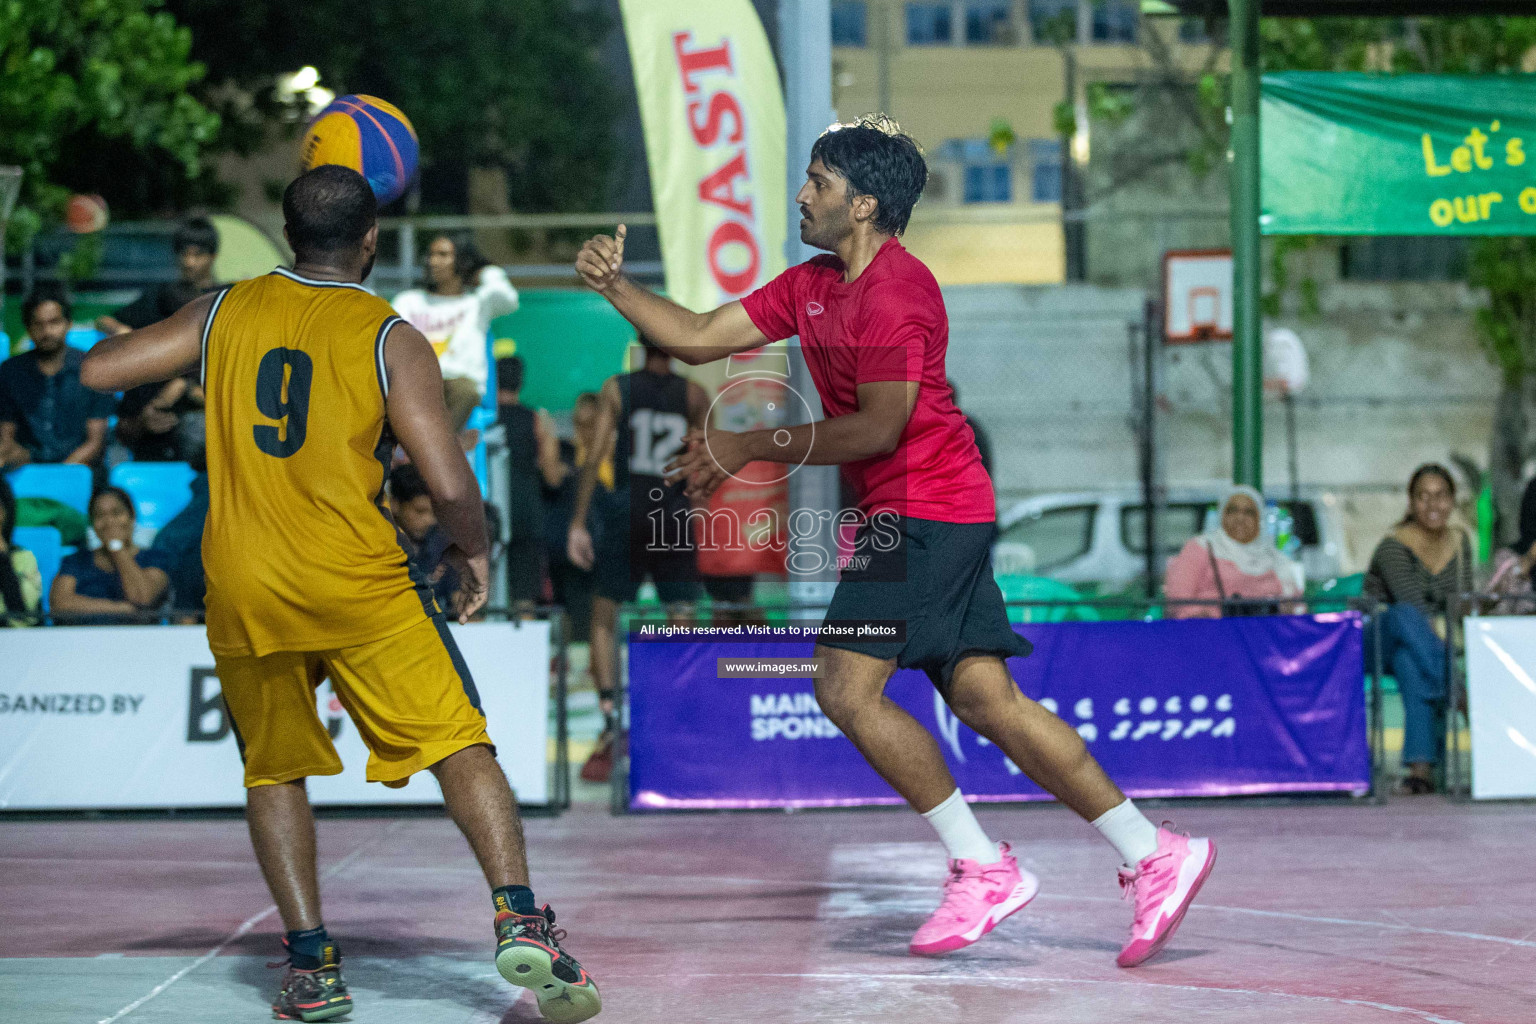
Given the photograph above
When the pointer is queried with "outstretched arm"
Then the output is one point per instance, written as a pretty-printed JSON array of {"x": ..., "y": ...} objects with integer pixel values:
[
  {"x": 158, "y": 352},
  {"x": 694, "y": 338},
  {"x": 420, "y": 422}
]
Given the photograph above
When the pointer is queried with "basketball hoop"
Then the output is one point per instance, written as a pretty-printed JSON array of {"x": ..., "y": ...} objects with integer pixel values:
[{"x": 1197, "y": 296}]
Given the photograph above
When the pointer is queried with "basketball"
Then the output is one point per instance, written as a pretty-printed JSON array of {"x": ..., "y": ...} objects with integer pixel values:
[{"x": 368, "y": 135}]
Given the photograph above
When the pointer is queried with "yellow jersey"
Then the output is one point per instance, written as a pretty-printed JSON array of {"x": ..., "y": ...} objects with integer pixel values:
[{"x": 299, "y": 550}]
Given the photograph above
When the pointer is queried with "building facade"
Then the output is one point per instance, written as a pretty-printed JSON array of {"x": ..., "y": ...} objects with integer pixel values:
[{"x": 988, "y": 87}]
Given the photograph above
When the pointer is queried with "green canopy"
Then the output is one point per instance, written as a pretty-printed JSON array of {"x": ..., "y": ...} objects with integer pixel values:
[{"x": 1360, "y": 154}]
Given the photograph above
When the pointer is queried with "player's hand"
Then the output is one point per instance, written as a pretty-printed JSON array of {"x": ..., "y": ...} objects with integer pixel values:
[
  {"x": 601, "y": 261},
  {"x": 707, "y": 462},
  {"x": 578, "y": 547},
  {"x": 474, "y": 582},
  {"x": 159, "y": 421}
]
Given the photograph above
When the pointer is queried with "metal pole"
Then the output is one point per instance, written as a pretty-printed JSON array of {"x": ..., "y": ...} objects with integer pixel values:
[
  {"x": 407, "y": 240},
  {"x": 1247, "y": 339},
  {"x": 1450, "y": 740},
  {"x": 882, "y": 31},
  {"x": 1149, "y": 340},
  {"x": 805, "y": 50},
  {"x": 560, "y": 623},
  {"x": 1378, "y": 738},
  {"x": 1292, "y": 459},
  {"x": 10, "y": 186}
]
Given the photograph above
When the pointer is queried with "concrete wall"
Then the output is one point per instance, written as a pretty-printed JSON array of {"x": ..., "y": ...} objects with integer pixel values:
[{"x": 1397, "y": 379}]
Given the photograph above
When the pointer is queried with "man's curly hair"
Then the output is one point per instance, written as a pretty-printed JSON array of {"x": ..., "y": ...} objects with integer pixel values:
[{"x": 878, "y": 159}]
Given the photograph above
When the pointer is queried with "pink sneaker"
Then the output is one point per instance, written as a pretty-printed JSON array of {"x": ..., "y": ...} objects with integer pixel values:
[
  {"x": 1163, "y": 886},
  {"x": 976, "y": 898}
]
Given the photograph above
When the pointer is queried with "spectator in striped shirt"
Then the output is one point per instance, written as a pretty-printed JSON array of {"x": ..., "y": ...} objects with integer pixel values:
[{"x": 1418, "y": 569}]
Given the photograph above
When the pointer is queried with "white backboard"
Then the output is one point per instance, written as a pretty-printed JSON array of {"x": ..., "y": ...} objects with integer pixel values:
[{"x": 1197, "y": 296}]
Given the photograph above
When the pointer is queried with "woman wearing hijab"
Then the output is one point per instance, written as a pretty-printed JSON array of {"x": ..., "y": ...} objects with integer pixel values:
[{"x": 1235, "y": 564}]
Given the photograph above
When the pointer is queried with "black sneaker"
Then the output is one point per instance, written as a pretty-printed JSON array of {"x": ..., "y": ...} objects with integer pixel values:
[
  {"x": 311, "y": 995},
  {"x": 528, "y": 954}
]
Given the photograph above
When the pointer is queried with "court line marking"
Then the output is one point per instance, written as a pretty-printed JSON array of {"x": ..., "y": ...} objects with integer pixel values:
[
  {"x": 1424, "y": 1015},
  {"x": 246, "y": 926},
  {"x": 1421, "y": 929}
]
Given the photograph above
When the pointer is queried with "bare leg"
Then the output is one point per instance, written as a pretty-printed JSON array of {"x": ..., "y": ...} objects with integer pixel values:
[
  {"x": 480, "y": 801},
  {"x": 852, "y": 695},
  {"x": 605, "y": 616},
  {"x": 984, "y": 696},
  {"x": 283, "y": 835}
]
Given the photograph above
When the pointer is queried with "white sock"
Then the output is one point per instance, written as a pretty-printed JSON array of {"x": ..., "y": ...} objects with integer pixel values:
[
  {"x": 960, "y": 832},
  {"x": 1128, "y": 831}
]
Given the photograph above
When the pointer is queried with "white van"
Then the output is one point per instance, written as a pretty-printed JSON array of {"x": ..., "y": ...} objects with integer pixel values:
[{"x": 1097, "y": 538}]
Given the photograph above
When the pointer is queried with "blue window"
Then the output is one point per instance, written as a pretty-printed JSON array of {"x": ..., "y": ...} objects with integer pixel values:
[
  {"x": 986, "y": 176},
  {"x": 928, "y": 25},
  {"x": 989, "y": 23},
  {"x": 849, "y": 25},
  {"x": 1053, "y": 21},
  {"x": 1045, "y": 170},
  {"x": 1193, "y": 30},
  {"x": 1116, "y": 21},
  {"x": 988, "y": 183}
]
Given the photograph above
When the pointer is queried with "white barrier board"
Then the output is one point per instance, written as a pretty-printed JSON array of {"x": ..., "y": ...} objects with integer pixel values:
[
  {"x": 129, "y": 716},
  {"x": 1501, "y": 695}
]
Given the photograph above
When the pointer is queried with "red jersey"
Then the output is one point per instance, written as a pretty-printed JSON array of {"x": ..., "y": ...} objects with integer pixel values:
[{"x": 889, "y": 324}]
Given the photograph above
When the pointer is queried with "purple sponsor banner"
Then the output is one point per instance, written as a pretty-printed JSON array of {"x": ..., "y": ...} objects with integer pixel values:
[{"x": 1171, "y": 708}]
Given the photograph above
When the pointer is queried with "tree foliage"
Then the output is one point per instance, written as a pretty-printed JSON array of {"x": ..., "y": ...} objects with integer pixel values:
[
  {"x": 510, "y": 83},
  {"x": 78, "y": 76}
]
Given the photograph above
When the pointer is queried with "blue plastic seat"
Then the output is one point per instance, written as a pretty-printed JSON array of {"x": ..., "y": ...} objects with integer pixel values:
[
  {"x": 83, "y": 338},
  {"x": 159, "y": 489},
  {"x": 481, "y": 420},
  {"x": 69, "y": 484},
  {"x": 47, "y": 547}
]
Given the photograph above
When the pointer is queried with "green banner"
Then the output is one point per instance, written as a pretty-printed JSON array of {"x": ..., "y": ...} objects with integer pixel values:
[{"x": 1356, "y": 154}]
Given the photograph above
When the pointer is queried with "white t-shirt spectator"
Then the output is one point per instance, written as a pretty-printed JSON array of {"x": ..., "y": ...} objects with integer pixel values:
[{"x": 456, "y": 324}]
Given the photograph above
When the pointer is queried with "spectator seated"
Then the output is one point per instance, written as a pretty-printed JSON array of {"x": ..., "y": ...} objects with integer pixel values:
[
  {"x": 47, "y": 547},
  {"x": 160, "y": 490},
  {"x": 65, "y": 483}
]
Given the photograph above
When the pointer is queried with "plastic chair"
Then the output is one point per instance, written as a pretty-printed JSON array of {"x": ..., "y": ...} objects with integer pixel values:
[
  {"x": 159, "y": 489},
  {"x": 47, "y": 547},
  {"x": 1040, "y": 588},
  {"x": 1345, "y": 586},
  {"x": 83, "y": 338},
  {"x": 68, "y": 484}
]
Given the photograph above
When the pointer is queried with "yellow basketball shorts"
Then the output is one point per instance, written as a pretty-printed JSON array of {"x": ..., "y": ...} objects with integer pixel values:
[{"x": 410, "y": 696}]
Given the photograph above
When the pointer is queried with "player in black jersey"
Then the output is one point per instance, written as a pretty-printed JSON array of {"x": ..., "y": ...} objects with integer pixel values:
[{"x": 643, "y": 527}]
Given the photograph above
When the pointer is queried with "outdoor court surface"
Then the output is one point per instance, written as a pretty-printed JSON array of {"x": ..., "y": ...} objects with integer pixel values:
[{"x": 1417, "y": 910}]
